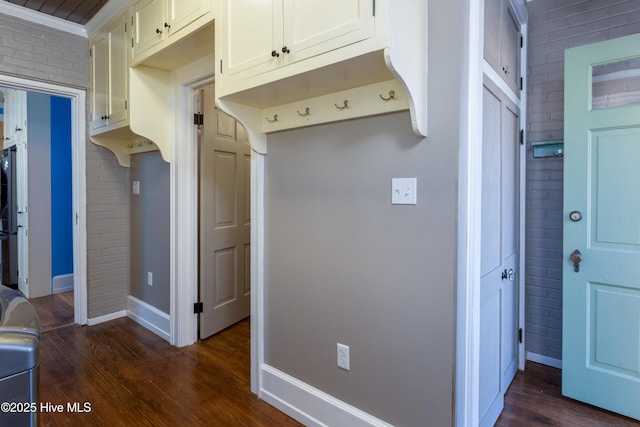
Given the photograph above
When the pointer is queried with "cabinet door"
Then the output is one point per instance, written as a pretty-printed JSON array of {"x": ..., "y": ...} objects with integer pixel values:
[
  {"x": 99, "y": 81},
  {"x": 492, "y": 33},
  {"x": 510, "y": 52},
  {"x": 148, "y": 25},
  {"x": 312, "y": 28},
  {"x": 181, "y": 13},
  {"x": 118, "y": 70},
  {"x": 251, "y": 30},
  {"x": 502, "y": 42}
]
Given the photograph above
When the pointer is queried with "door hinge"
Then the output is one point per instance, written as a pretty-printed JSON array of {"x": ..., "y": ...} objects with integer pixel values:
[
  {"x": 521, "y": 136},
  {"x": 198, "y": 308},
  {"x": 520, "y": 335},
  {"x": 76, "y": 218},
  {"x": 198, "y": 119},
  {"x": 90, "y": 53},
  {"x": 125, "y": 27},
  {"x": 221, "y": 66},
  {"x": 125, "y": 104},
  {"x": 521, "y": 42},
  {"x": 374, "y": 7}
]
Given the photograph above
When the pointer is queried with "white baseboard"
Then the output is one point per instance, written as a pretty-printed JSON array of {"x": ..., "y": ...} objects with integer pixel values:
[
  {"x": 545, "y": 360},
  {"x": 148, "y": 316},
  {"x": 62, "y": 283},
  {"x": 308, "y": 405},
  {"x": 106, "y": 317}
]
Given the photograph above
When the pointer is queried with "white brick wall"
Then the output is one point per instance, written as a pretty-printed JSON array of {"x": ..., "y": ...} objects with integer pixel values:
[
  {"x": 553, "y": 27},
  {"x": 37, "y": 52}
]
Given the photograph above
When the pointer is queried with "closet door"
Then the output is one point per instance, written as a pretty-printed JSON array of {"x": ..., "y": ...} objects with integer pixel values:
[{"x": 499, "y": 261}]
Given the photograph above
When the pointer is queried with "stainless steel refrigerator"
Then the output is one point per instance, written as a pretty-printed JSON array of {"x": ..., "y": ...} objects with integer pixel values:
[{"x": 8, "y": 218}]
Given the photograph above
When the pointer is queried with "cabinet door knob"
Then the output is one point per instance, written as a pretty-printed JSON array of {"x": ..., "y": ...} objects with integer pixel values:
[
  {"x": 275, "y": 54},
  {"x": 158, "y": 31},
  {"x": 285, "y": 50},
  {"x": 167, "y": 26}
]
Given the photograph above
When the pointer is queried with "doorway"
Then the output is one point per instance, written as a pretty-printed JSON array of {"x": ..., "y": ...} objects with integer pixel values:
[{"x": 76, "y": 101}]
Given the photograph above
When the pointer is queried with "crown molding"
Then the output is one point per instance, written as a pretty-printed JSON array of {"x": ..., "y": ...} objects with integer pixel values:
[
  {"x": 108, "y": 11},
  {"x": 40, "y": 18}
]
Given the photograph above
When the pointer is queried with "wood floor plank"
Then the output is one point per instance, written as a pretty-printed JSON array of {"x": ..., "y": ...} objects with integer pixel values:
[
  {"x": 54, "y": 311},
  {"x": 535, "y": 399},
  {"x": 131, "y": 377}
]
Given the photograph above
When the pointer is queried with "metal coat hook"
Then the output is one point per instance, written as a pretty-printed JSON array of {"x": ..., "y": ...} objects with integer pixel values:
[
  {"x": 392, "y": 95},
  {"x": 275, "y": 119},
  {"x": 345, "y": 105},
  {"x": 305, "y": 114}
]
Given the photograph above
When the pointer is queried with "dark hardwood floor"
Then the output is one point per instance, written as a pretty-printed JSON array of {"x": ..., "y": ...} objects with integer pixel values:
[
  {"x": 535, "y": 399},
  {"x": 54, "y": 311},
  {"x": 131, "y": 377}
]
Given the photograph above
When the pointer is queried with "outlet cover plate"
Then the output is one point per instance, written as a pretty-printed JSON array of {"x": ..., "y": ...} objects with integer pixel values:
[
  {"x": 343, "y": 357},
  {"x": 404, "y": 191}
]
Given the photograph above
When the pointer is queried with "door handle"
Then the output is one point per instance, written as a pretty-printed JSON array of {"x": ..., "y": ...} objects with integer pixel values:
[
  {"x": 576, "y": 257},
  {"x": 507, "y": 274}
]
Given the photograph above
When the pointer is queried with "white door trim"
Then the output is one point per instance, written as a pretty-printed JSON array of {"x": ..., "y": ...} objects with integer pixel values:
[
  {"x": 184, "y": 201},
  {"x": 79, "y": 185},
  {"x": 467, "y": 379}
]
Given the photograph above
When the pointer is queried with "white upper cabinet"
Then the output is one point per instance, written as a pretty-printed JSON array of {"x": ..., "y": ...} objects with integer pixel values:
[
  {"x": 262, "y": 36},
  {"x": 181, "y": 13},
  {"x": 155, "y": 21},
  {"x": 282, "y": 64},
  {"x": 310, "y": 30},
  {"x": 252, "y": 34},
  {"x": 148, "y": 24},
  {"x": 502, "y": 42},
  {"x": 109, "y": 71}
]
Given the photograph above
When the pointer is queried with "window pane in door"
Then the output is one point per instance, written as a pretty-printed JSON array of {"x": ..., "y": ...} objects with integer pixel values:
[{"x": 616, "y": 84}]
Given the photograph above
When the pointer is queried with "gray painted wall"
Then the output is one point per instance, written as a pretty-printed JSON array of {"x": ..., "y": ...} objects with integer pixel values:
[
  {"x": 553, "y": 27},
  {"x": 150, "y": 230},
  {"x": 39, "y": 181},
  {"x": 37, "y": 52},
  {"x": 344, "y": 265}
]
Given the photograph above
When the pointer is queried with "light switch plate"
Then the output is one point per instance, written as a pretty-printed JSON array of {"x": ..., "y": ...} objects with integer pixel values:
[
  {"x": 404, "y": 191},
  {"x": 136, "y": 187}
]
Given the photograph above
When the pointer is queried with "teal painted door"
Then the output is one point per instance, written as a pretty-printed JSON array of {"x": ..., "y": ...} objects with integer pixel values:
[{"x": 601, "y": 294}]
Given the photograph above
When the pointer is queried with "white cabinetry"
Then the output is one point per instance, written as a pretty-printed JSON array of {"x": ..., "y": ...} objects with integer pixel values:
[
  {"x": 109, "y": 77},
  {"x": 155, "y": 21},
  {"x": 264, "y": 36},
  {"x": 15, "y": 117},
  {"x": 502, "y": 41},
  {"x": 282, "y": 64}
]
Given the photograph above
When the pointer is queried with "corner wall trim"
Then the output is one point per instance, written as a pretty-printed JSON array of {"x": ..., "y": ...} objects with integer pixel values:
[
  {"x": 308, "y": 405},
  {"x": 148, "y": 316},
  {"x": 544, "y": 360},
  {"x": 106, "y": 317}
]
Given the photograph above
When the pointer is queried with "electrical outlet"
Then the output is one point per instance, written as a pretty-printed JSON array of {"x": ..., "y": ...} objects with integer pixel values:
[
  {"x": 343, "y": 357},
  {"x": 150, "y": 278}
]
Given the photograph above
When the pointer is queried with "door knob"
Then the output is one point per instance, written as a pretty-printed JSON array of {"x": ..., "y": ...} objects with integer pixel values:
[{"x": 576, "y": 257}]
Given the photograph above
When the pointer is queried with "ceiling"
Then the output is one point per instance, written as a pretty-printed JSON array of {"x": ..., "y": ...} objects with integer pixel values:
[{"x": 77, "y": 11}]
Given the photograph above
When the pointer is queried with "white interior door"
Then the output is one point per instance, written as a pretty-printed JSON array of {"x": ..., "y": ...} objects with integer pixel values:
[
  {"x": 601, "y": 283},
  {"x": 225, "y": 165},
  {"x": 499, "y": 262}
]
